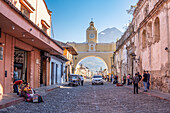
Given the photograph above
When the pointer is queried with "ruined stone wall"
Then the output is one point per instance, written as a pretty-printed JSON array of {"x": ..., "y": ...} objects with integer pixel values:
[
  {"x": 150, "y": 38},
  {"x": 150, "y": 46}
]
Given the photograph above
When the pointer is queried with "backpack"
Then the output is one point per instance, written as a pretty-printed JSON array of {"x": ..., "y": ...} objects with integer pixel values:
[{"x": 37, "y": 98}]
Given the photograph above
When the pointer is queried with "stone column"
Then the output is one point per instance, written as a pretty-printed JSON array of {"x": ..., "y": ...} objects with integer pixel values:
[
  {"x": 31, "y": 68},
  {"x": 12, "y": 63},
  {"x": 47, "y": 71}
]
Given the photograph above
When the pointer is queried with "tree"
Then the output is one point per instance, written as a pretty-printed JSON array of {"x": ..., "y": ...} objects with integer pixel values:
[{"x": 131, "y": 10}]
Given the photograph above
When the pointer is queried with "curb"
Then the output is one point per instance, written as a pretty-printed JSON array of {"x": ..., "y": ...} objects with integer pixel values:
[
  {"x": 147, "y": 93},
  {"x": 157, "y": 96},
  {"x": 48, "y": 90},
  {"x": 16, "y": 101}
]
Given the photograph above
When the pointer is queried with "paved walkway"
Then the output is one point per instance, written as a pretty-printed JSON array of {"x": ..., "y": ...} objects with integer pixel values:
[
  {"x": 12, "y": 98},
  {"x": 89, "y": 98},
  {"x": 155, "y": 93}
]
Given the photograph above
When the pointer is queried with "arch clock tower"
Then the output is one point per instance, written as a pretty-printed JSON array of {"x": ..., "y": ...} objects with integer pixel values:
[
  {"x": 91, "y": 34},
  {"x": 92, "y": 48}
]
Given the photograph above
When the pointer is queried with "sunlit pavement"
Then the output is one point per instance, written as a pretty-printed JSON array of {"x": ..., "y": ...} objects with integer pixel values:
[{"x": 89, "y": 98}]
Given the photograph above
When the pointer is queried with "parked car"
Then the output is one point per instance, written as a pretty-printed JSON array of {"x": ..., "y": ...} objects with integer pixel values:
[
  {"x": 74, "y": 79},
  {"x": 97, "y": 79}
]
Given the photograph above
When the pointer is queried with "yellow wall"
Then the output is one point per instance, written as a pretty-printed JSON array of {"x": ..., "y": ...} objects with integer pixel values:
[
  {"x": 83, "y": 47},
  {"x": 104, "y": 47},
  {"x": 100, "y": 47}
]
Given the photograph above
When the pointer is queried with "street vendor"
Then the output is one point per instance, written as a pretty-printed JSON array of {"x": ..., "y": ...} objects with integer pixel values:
[{"x": 28, "y": 89}]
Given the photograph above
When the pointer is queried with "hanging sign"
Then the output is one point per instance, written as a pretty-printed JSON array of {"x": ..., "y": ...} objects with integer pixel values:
[{"x": 19, "y": 57}]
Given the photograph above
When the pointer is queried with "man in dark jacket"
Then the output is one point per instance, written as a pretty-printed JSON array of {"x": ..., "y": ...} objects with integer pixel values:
[
  {"x": 135, "y": 83},
  {"x": 140, "y": 77},
  {"x": 124, "y": 79},
  {"x": 145, "y": 81},
  {"x": 148, "y": 80}
]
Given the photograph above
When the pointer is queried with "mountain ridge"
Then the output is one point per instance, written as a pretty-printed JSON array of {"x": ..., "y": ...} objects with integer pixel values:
[{"x": 109, "y": 35}]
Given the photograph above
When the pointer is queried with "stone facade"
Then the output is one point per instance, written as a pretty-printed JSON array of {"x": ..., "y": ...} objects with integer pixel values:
[
  {"x": 84, "y": 71},
  {"x": 69, "y": 53},
  {"x": 149, "y": 36}
]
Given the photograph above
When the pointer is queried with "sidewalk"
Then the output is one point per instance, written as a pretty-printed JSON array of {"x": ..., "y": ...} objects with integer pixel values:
[
  {"x": 12, "y": 98},
  {"x": 155, "y": 93}
]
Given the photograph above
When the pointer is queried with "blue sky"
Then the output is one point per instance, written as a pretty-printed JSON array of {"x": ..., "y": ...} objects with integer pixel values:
[{"x": 70, "y": 18}]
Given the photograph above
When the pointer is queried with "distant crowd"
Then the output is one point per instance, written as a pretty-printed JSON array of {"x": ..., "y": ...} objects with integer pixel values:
[
  {"x": 128, "y": 80},
  {"x": 136, "y": 79}
]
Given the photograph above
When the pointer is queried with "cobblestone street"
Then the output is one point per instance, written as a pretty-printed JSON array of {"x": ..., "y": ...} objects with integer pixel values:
[{"x": 105, "y": 98}]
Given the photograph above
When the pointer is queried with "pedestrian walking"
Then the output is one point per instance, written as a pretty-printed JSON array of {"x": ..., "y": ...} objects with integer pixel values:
[
  {"x": 148, "y": 80},
  {"x": 135, "y": 83},
  {"x": 124, "y": 79},
  {"x": 82, "y": 80},
  {"x": 111, "y": 78},
  {"x": 128, "y": 78},
  {"x": 145, "y": 81},
  {"x": 140, "y": 77},
  {"x": 15, "y": 78},
  {"x": 108, "y": 78},
  {"x": 105, "y": 77},
  {"x": 116, "y": 79}
]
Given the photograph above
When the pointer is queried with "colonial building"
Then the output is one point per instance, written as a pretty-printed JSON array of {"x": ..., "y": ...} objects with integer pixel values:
[
  {"x": 123, "y": 60},
  {"x": 148, "y": 44},
  {"x": 25, "y": 43},
  {"x": 57, "y": 69},
  {"x": 69, "y": 53},
  {"x": 84, "y": 71}
]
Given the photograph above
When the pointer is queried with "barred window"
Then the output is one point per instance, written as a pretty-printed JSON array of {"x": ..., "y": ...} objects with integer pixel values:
[
  {"x": 25, "y": 11},
  {"x": 44, "y": 29}
]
